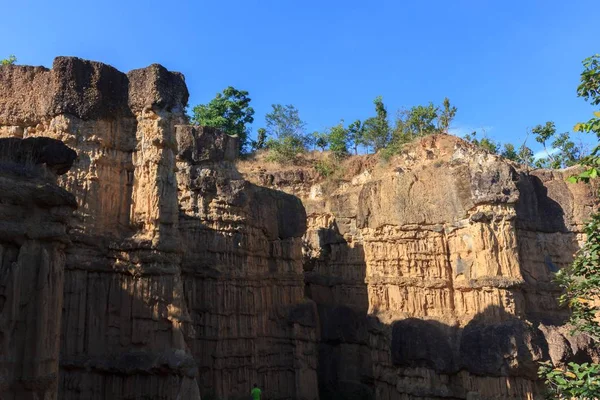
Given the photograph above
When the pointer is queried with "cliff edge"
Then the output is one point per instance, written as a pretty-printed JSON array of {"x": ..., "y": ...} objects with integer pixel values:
[{"x": 166, "y": 269}]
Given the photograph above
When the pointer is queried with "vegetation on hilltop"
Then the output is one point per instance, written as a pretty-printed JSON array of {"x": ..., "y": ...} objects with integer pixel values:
[
  {"x": 229, "y": 111},
  {"x": 9, "y": 61},
  {"x": 284, "y": 135}
]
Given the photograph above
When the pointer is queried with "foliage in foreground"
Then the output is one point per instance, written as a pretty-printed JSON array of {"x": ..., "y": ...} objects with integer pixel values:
[
  {"x": 581, "y": 280},
  {"x": 576, "y": 381}
]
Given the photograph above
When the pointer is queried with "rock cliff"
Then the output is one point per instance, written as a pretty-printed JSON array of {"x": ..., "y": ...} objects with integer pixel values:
[
  {"x": 182, "y": 277},
  {"x": 432, "y": 272},
  {"x": 184, "y": 274}
]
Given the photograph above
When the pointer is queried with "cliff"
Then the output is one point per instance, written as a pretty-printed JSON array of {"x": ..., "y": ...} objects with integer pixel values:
[
  {"x": 432, "y": 272},
  {"x": 182, "y": 278},
  {"x": 185, "y": 274}
]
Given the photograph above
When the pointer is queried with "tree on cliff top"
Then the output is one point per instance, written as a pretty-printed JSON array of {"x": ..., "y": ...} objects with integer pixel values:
[
  {"x": 523, "y": 155},
  {"x": 446, "y": 116},
  {"x": 229, "y": 111},
  {"x": 338, "y": 141},
  {"x": 287, "y": 134},
  {"x": 377, "y": 129},
  {"x": 564, "y": 152},
  {"x": 261, "y": 140},
  {"x": 284, "y": 121},
  {"x": 9, "y": 61},
  {"x": 581, "y": 280},
  {"x": 485, "y": 142}
]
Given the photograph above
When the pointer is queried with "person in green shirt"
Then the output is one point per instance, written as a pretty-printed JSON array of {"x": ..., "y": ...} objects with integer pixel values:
[{"x": 255, "y": 393}]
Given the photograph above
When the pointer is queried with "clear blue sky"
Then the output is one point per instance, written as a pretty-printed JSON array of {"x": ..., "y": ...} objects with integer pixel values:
[{"x": 507, "y": 65}]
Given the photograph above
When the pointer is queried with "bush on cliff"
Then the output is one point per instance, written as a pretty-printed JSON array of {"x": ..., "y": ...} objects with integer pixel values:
[{"x": 9, "y": 61}]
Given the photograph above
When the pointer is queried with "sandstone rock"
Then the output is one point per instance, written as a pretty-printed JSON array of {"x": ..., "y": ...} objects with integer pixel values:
[
  {"x": 425, "y": 278},
  {"x": 155, "y": 86},
  {"x": 197, "y": 144},
  {"x": 182, "y": 278},
  {"x": 449, "y": 252}
]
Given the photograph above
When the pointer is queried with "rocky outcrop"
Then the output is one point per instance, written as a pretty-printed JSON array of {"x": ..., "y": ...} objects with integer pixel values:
[
  {"x": 432, "y": 272},
  {"x": 34, "y": 214},
  {"x": 182, "y": 278},
  {"x": 242, "y": 272}
]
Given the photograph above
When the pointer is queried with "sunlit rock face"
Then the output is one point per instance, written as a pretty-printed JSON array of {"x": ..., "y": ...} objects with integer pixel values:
[
  {"x": 140, "y": 261},
  {"x": 181, "y": 278},
  {"x": 432, "y": 273}
]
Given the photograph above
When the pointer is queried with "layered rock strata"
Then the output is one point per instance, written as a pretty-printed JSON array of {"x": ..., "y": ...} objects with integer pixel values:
[
  {"x": 182, "y": 278},
  {"x": 432, "y": 272},
  {"x": 427, "y": 277}
]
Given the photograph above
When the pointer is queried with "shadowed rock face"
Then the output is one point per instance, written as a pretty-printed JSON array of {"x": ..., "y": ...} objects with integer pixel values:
[
  {"x": 34, "y": 215},
  {"x": 34, "y": 151}
]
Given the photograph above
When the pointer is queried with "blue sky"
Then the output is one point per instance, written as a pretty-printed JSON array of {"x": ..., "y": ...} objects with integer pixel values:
[{"x": 507, "y": 65}]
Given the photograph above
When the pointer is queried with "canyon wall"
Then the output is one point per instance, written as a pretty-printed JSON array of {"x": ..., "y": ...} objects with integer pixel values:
[
  {"x": 184, "y": 274},
  {"x": 182, "y": 278},
  {"x": 432, "y": 271}
]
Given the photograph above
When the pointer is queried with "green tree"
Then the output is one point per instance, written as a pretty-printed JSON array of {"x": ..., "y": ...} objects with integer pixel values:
[
  {"x": 284, "y": 121},
  {"x": 525, "y": 155},
  {"x": 421, "y": 119},
  {"x": 543, "y": 133},
  {"x": 9, "y": 61},
  {"x": 261, "y": 139},
  {"x": 401, "y": 133},
  {"x": 338, "y": 141},
  {"x": 320, "y": 139},
  {"x": 377, "y": 129},
  {"x": 563, "y": 152},
  {"x": 581, "y": 280},
  {"x": 287, "y": 134},
  {"x": 229, "y": 111},
  {"x": 509, "y": 152},
  {"x": 446, "y": 116},
  {"x": 485, "y": 143},
  {"x": 357, "y": 135}
]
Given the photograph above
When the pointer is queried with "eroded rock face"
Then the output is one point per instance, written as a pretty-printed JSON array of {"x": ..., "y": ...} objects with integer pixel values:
[
  {"x": 34, "y": 214},
  {"x": 426, "y": 278},
  {"x": 183, "y": 278},
  {"x": 432, "y": 273}
]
